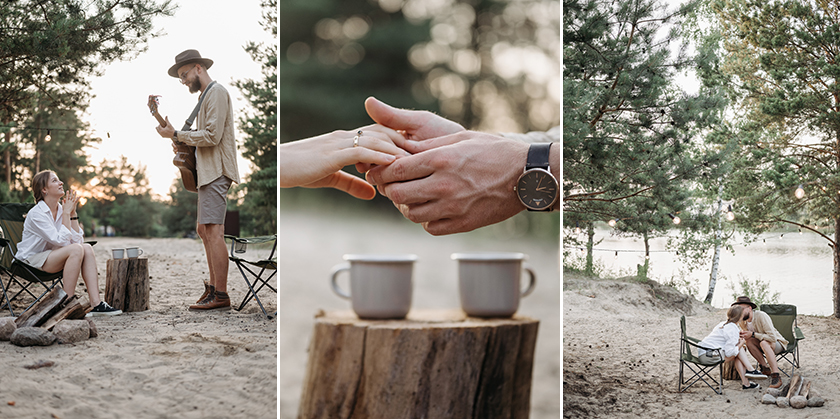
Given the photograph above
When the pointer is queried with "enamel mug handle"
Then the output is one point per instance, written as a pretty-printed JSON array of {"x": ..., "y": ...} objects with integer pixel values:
[
  {"x": 334, "y": 277},
  {"x": 532, "y": 282}
]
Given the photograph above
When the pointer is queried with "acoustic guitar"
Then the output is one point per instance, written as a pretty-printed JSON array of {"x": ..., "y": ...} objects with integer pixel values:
[{"x": 184, "y": 158}]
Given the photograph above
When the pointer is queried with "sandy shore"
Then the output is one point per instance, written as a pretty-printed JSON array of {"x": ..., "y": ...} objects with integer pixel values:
[
  {"x": 621, "y": 356},
  {"x": 166, "y": 362},
  {"x": 305, "y": 287}
]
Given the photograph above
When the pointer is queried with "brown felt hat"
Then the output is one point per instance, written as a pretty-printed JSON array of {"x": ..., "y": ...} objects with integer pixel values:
[
  {"x": 743, "y": 299},
  {"x": 187, "y": 57}
]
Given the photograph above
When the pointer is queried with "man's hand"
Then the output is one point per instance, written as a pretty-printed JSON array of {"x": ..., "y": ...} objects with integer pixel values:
[
  {"x": 455, "y": 183},
  {"x": 414, "y": 125},
  {"x": 166, "y": 132}
]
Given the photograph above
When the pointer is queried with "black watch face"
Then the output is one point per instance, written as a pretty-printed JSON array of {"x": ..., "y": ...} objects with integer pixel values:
[{"x": 537, "y": 189}]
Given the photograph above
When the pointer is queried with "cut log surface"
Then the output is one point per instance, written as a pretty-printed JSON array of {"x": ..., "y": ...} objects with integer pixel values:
[
  {"x": 127, "y": 284},
  {"x": 795, "y": 384},
  {"x": 433, "y": 364},
  {"x": 39, "y": 312},
  {"x": 72, "y": 308}
]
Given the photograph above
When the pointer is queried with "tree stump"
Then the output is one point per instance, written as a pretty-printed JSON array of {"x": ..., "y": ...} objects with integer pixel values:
[
  {"x": 433, "y": 364},
  {"x": 729, "y": 371},
  {"x": 127, "y": 284}
]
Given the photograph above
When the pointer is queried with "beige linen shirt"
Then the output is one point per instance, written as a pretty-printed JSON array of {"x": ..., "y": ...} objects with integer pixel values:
[
  {"x": 215, "y": 145},
  {"x": 764, "y": 329}
]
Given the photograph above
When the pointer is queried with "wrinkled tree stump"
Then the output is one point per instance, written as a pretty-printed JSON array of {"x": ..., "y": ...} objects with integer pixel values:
[
  {"x": 729, "y": 371},
  {"x": 127, "y": 284},
  {"x": 433, "y": 364}
]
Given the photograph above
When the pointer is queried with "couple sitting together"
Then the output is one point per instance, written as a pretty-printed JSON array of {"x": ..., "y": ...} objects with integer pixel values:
[{"x": 746, "y": 329}]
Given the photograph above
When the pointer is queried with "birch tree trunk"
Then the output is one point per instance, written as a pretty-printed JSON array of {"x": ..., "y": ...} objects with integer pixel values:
[{"x": 716, "y": 258}]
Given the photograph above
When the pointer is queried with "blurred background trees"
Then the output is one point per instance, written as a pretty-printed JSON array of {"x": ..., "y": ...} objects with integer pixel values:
[
  {"x": 49, "y": 52},
  {"x": 490, "y": 65}
]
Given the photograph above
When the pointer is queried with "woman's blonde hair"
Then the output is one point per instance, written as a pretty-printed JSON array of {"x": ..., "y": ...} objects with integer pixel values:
[{"x": 39, "y": 182}]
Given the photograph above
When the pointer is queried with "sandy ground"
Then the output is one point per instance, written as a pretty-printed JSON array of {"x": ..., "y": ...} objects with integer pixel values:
[
  {"x": 621, "y": 356},
  {"x": 166, "y": 362},
  {"x": 305, "y": 287}
]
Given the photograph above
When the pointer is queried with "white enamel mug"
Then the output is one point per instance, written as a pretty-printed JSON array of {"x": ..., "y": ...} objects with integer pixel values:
[
  {"x": 380, "y": 285},
  {"x": 489, "y": 283}
]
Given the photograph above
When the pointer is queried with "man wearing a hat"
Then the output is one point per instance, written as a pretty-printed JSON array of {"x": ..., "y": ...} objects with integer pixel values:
[
  {"x": 216, "y": 168},
  {"x": 763, "y": 340}
]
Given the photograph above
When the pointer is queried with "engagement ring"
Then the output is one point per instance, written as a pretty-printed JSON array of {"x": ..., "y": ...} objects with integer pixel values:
[{"x": 356, "y": 139}]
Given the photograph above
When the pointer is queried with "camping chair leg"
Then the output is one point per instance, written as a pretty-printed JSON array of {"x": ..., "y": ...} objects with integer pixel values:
[
  {"x": 6, "y": 298},
  {"x": 49, "y": 289},
  {"x": 252, "y": 293}
]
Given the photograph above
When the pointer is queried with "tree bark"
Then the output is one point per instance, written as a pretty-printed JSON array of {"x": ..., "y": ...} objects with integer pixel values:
[
  {"x": 716, "y": 258},
  {"x": 46, "y": 307},
  {"x": 433, "y": 364},
  {"x": 127, "y": 284},
  {"x": 590, "y": 243},
  {"x": 836, "y": 287}
]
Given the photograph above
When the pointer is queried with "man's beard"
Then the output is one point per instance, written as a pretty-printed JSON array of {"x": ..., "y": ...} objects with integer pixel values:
[{"x": 195, "y": 85}]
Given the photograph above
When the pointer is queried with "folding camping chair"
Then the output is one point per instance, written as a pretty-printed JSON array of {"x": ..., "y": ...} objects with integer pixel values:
[
  {"x": 12, "y": 216},
  {"x": 784, "y": 320},
  {"x": 687, "y": 359},
  {"x": 261, "y": 270}
]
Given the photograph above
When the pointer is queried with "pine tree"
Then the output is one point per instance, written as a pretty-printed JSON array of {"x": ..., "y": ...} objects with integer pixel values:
[
  {"x": 781, "y": 57},
  {"x": 632, "y": 138}
]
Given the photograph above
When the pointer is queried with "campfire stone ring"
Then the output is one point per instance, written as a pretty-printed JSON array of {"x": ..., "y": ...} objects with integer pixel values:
[{"x": 356, "y": 139}]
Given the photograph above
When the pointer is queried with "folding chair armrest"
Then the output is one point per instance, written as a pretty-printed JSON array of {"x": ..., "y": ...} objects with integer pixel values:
[
  {"x": 797, "y": 334},
  {"x": 91, "y": 243},
  {"x": 694, "y": 344},
  {"x": 4, "y": 242}
]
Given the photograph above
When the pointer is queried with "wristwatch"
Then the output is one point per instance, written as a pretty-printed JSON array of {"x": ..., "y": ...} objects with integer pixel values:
[
  {"x": 537, "y": 187},
  {"x": 175, "y": 135}
]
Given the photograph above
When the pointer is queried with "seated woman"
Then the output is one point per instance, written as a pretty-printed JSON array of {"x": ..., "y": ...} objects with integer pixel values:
[
  {"x": 53, "y": 241},
  {"x": 726, "y": 336}
]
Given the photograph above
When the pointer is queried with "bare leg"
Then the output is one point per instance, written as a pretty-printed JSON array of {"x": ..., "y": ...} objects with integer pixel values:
[
  {"x": 742, "y": 371},
  {"x": 212, "y": 236},
  {"x": 742, "y": 356},
  {"x": 771, "y": 356},
  {"x": 69, "y": 259},
  {"x": 755, "y": 350},
  {"x": 90, "y": 276}
]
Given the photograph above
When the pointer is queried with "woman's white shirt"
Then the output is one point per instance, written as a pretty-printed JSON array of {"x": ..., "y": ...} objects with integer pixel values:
[
  {"x": 41, "y": 232},
  {"x": 725, "y": 338}
]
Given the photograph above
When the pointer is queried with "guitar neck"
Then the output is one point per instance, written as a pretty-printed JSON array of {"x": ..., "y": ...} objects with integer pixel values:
[{"x": 160, "y": 119}]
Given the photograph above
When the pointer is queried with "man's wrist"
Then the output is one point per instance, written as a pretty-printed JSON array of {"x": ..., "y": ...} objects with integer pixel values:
[{"x": 175, "y": 135}]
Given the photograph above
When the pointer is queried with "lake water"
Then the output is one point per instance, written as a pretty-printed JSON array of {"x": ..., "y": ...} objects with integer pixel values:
[{"x": 798, "y": 266}]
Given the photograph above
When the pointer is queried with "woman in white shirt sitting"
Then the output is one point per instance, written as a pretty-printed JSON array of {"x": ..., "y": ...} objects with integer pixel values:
[
  {"x": 53, "y": 240},
  {"x": 726, "y": 337}
]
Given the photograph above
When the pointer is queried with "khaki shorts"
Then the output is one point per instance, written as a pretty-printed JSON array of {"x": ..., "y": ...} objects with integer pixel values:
[
  {"x": 709, "y": 358},
  {"x": 38, "y": 260},
  {"x": 212, "y": 201}
]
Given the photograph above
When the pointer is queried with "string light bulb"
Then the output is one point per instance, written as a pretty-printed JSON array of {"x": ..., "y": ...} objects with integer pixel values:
[
  {"x": 612, "y": 223},
  {"x": 729, "y": 214},
  {"x": 800, "y": 192},
  {"x": 48, "y": 137},
  {"x": 577, "y": 229},
  {"x": 676, "y": 219}
]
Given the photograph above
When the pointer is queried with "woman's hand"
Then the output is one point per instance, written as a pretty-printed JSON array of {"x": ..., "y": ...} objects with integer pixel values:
[
  {"x": 316, "y": 162},
  {"x": 71, "y": 200}
]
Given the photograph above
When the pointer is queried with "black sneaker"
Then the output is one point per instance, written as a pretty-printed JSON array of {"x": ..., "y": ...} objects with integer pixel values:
[
  {"x": 103, "y": 309},
  {"x": 752, "y": 385},
  {"x": 755, "y": 374}
]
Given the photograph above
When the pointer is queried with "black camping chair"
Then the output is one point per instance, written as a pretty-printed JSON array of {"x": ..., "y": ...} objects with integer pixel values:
[
  {"x": 703, "y": 370},
  {"x": 12, "y": 216},
  {"x": 261, "y": 270}
]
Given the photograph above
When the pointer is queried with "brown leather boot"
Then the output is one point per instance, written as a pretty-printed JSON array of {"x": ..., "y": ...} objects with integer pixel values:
[
  {"x": 208, "y": 291},
  {"x": 775, "y": 380},
  {"x": 219, "y": 301}
]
